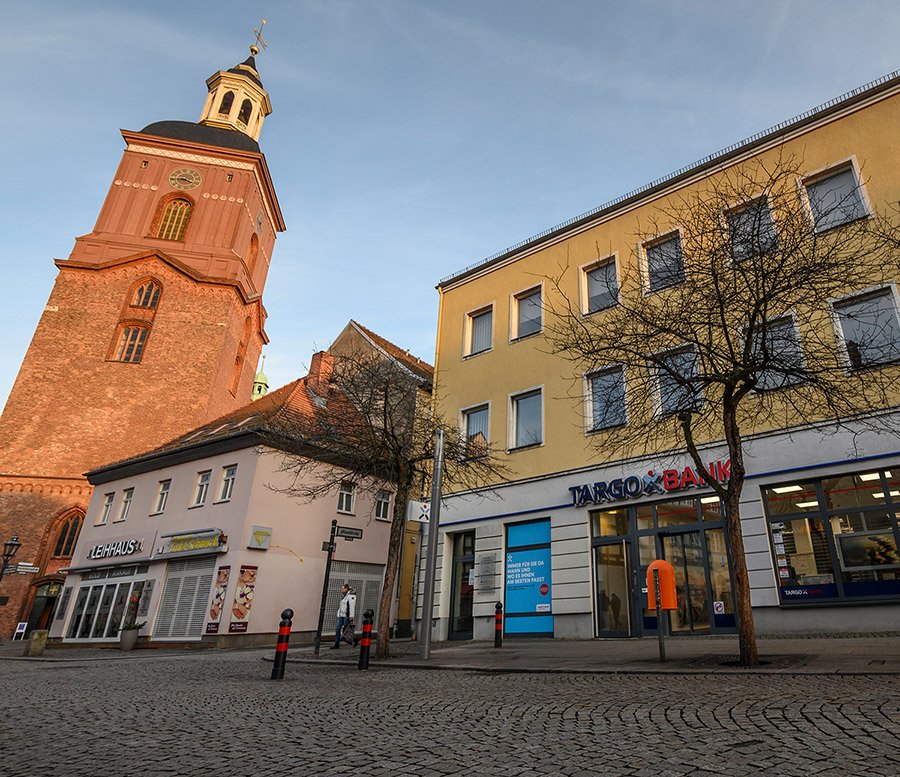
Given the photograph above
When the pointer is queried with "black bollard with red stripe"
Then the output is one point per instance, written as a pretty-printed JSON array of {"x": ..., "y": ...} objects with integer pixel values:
[
  {"x": 281, "y": 647},
  {"x": 365, "y": 642},
  {"x": 498, "y": 625}
]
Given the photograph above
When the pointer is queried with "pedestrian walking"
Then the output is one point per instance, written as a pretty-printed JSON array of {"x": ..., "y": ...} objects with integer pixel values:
[{"x": 345, "y": 614}]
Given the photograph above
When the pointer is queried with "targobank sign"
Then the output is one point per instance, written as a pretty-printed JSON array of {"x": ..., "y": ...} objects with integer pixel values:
[{"x": 635, "y": 487}]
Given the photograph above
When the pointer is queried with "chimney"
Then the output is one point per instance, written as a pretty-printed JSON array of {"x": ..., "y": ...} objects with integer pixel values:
[{"x": 320, "y": 373}]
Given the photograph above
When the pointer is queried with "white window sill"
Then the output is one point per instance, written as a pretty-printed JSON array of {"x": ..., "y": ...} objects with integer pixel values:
[
  {"x": 192, "y": 507},
  {"x": 344, "y": 512},
  {"x": 221, "y": 501}
]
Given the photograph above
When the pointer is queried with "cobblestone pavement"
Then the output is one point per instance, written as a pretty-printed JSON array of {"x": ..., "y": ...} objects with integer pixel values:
[{"x": 218, "y": 713}]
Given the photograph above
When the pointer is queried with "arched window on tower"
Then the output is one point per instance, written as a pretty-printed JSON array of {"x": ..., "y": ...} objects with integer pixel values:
[
  {"x": 246, "y": 110},
  {"x": 174, "y": 220},
  {"x": 225, "y": 105},
  {"x": 146, "y": 295},
  {"x": 130, "y": 343},
  {"x": 68, "y": 535},
  {"x": 240, "y": 356},
  {"x": 252, "y": 253}
]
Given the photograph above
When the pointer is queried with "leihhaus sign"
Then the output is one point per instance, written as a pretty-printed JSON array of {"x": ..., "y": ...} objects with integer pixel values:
[
  {"x": 119, "y": 548},
  {"x": 634, "y": 486}
]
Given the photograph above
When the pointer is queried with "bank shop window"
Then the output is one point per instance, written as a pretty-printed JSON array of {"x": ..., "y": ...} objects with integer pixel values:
[{"x": 841, "y": 539}]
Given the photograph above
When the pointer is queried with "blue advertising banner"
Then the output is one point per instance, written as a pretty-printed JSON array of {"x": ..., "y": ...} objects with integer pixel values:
[{"x": 528, "y": 588}]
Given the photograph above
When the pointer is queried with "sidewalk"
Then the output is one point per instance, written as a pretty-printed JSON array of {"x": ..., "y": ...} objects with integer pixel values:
[{"x": 685, "y": 655}]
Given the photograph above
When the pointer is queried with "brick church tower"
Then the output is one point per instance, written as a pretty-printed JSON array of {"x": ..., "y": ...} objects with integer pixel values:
[{"x": 154, "y": 326}]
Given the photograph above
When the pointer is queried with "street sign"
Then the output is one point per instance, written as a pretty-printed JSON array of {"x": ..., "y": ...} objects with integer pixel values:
[
  {"x": 418, "y": 511},
  {"x": 349, "y": 533}
]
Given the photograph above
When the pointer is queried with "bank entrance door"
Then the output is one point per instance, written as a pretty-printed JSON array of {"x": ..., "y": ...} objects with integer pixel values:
[
  {"x": 685, "y": 553},
  {"x": 613, "y": 590},
  {"x": 690, "y": 535}
]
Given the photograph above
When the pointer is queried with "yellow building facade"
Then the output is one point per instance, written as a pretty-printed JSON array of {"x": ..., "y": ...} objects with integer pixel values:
[{"x": 567, "y": 559}]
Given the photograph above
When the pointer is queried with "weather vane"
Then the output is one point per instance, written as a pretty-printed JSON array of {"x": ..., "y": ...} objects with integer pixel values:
[{"x": 254, "y": 49}]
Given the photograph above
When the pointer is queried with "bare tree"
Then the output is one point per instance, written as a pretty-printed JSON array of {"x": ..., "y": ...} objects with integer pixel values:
[
  {"x": 374, "y": 427},
  {"x": 734, "y": 326}
]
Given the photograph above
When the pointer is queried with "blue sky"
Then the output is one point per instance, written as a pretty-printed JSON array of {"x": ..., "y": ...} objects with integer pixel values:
[{"x": 408, "y": 139}]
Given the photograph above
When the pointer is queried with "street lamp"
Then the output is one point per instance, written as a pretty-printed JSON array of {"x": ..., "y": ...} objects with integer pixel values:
[{"x": 10, "y": 547}]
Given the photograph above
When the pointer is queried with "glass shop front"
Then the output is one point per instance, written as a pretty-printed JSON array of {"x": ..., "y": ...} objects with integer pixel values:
[
  {"x": 834, "y": 540},
  {"x": 689, "y": 533}
]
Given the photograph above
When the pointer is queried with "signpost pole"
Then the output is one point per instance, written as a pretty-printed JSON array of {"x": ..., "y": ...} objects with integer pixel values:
[
  {"x": 318, "y": 640},
  {"x": 430, "y": 559},
  {"x": 660, "y": 626}
]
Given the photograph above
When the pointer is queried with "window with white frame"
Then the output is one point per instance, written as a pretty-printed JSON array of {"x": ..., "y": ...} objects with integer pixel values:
[
  {"x": 835, "y": 198},
  {"x": 674, "y": 371},
  {"x": 527, "y": 315},
  {"x": 606, "y": 393},
  {"x": 107, "y": 507},
  {"x": 751, "y": 230},
  {"x": 776, "y": 347},
  {"x": 228, "y": 474},
  {"x": 475, "y": 428},
  {"x": 202, "y": 488},
  {"x": 479, "y": 334},
  {"x": 870, "y": 328},
  {"x": 527, "y": 419},
  {"x": 601, "y": 286},
  {"x": 162, "y": 497},
  {"x": 383, "y": 505},
  {"x": 127, "y": 496},
  {"x": 346, "y": 495},
  {"x": 665, "y": 262}
]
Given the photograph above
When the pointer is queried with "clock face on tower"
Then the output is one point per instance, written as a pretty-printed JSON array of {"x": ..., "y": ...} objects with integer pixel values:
[{"x": 184, "y": 178}]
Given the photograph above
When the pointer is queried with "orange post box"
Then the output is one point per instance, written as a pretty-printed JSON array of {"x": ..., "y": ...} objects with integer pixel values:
[{"x": 667, "y": 598}]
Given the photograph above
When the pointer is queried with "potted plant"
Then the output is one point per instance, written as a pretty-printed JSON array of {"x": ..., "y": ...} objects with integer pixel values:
[{"x": 129, "y": 634}]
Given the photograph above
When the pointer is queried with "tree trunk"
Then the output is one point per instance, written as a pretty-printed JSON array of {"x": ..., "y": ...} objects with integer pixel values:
[
  {"x": 398, "y": 524},
  {"x": 746, "y": 629},
  {"x": 749, "y": 654}
]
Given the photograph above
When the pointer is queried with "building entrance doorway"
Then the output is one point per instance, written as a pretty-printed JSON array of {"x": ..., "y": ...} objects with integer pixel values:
[
  {"x": 462, "y": 586},
  {"x": 685, "y": 553},
  {"x": 690, "y": 535},
  {"x": 45, "y": 599},
  {"x": 613, "y": 590}
]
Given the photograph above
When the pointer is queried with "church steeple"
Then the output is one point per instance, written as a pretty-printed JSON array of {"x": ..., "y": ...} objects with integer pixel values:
[
  {"x": 261, "y": 383},
  {"x": 237, "y": 99}
]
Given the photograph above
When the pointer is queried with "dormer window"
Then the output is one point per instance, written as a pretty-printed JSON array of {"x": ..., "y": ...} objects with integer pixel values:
[
  {"x": 175, "y": 220},
  {"x": 244, "y": 115},
  {"x": 225, "y": 105}
]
